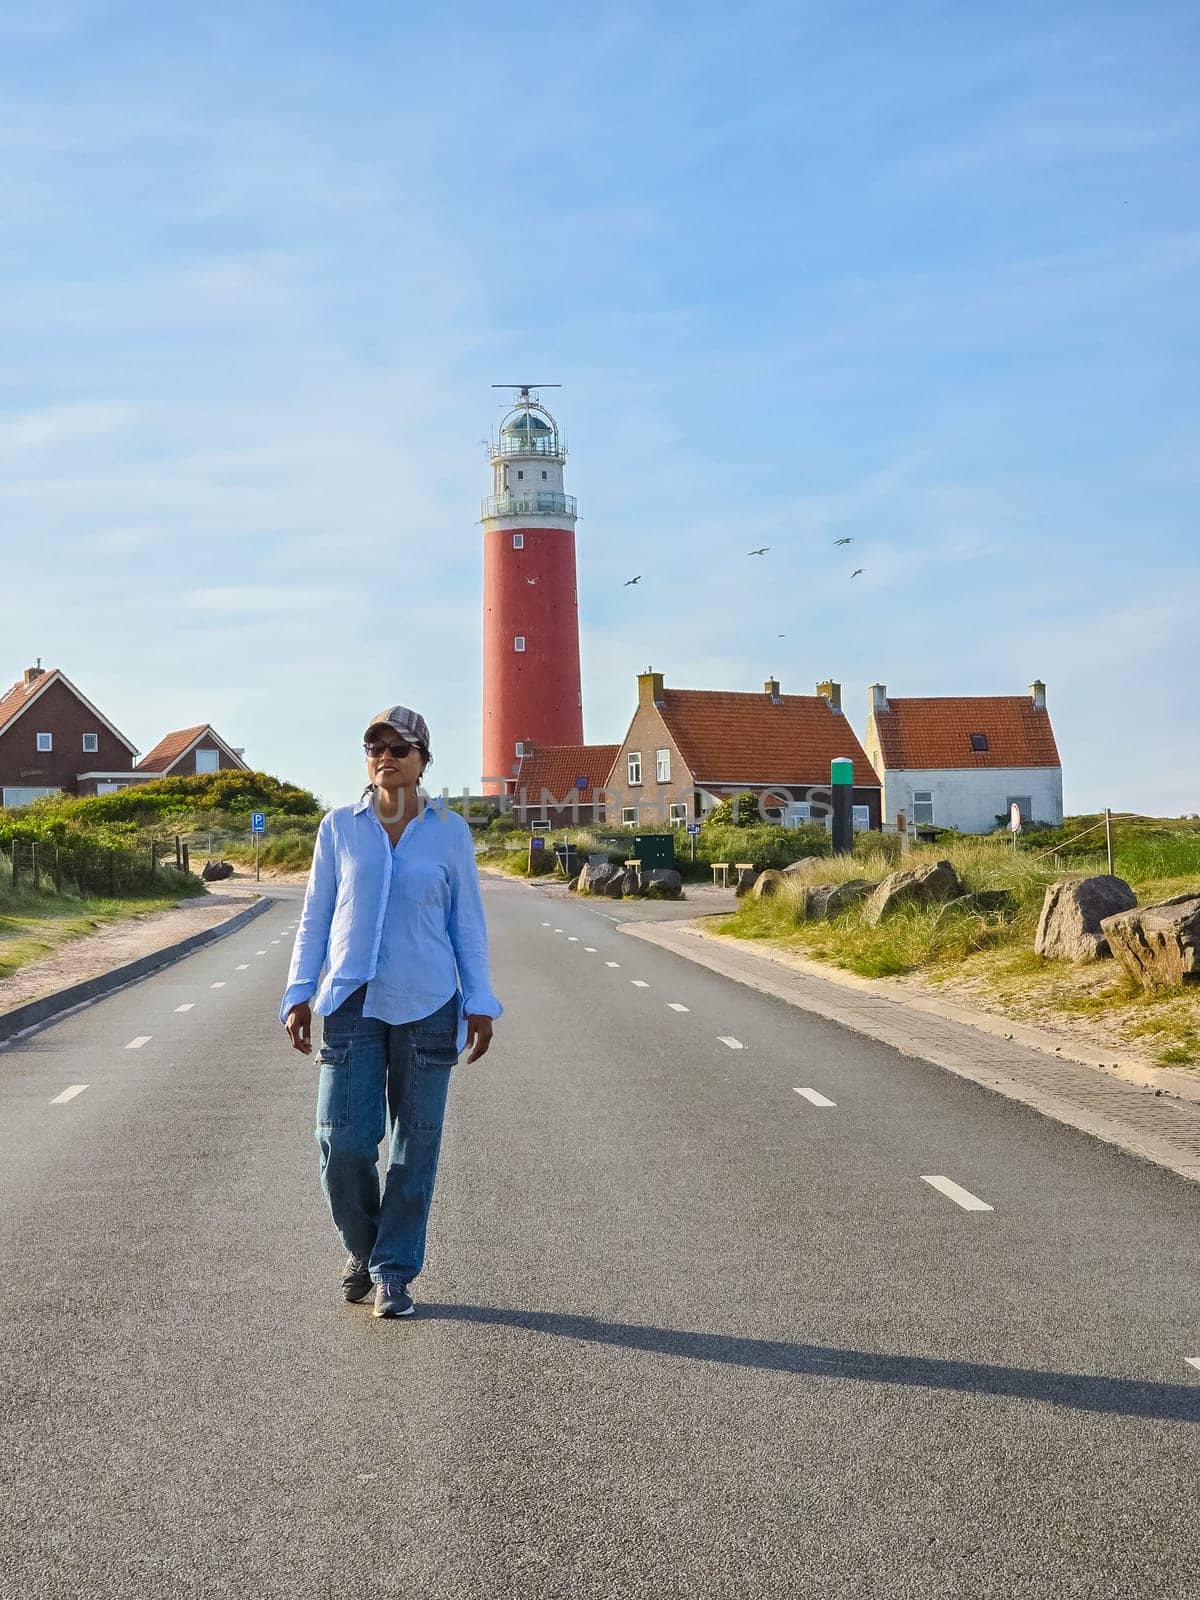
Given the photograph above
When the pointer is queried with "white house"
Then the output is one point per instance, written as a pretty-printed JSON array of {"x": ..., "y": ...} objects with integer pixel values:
[{"x": 960, "y": 761}]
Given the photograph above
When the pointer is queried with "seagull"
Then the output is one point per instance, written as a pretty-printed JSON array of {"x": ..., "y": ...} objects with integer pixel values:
[
  {"x": 761, "y": 551},
  {"x": 857, "y": 572},
  {"x": 530, "y": 580},
  {"x": 628, "y": 581},
  {"x": 781, "y": 635},
  {"x": 843, "y": 541}
]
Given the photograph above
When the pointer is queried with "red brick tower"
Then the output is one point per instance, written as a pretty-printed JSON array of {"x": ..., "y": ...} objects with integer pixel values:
[{"x": 531, "y": 685}]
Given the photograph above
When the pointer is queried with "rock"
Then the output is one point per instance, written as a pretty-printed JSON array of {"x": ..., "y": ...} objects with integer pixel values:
[
  {"x": 629, "y": 881},
  {"x": 745, "y": 880},
  {"x": 826, "y": 900},
  {"x": 1158, "y": 945},
  {"x": 660, "y": 883},
  {"x": 920, "y": 886},
  {"x": 213, "y": 871},
  {"x": 1072, "y": 912},
  {"x": 767, "y": 883},
  {"x": 614, "y": 887},
  {"x": 595, "y": 878}
]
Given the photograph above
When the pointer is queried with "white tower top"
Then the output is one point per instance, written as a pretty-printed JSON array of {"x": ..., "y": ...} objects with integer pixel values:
[{"x": 527, "y": 459}]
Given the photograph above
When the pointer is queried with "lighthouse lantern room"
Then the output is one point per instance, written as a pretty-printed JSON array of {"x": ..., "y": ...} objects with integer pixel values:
[{"x": 531, "y": 678}]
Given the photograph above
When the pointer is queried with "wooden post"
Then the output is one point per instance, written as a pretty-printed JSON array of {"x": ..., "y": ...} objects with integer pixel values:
[
  {"x": 112, "y": 874},
  {"x": 187, "y": 858},
  {"x": 14, "y": 863},
  {"x": 57, "y": 870},
  {"x": 33, "y": 864},
  {"x": 178, "y": 854},
  {"x": 154, "y": 858}
]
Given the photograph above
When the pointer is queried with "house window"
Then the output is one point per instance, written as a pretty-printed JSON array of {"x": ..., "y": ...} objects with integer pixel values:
[
  {"x": 629, "y": 816},
  {"x": 208, "y": 761},
  {"x": 91, "y": 743},
  {"x": 662, "y": 765},
  {"x": 519, "y": 641},
  {"x": 520, "y": 474},
  {"x": 635, "y": 766},
  {"x": 923, "y": 806},
  {"x": 979, "y": 742},
  {"x": 861, "y": 817},
  {"x": 678, "y": 813},
  {"x": 45, "y": 742},
  {"x": 520, "y": 747},
  {"x": 518, "y": 541},
  {"x": 796, "y": 812},
  {"x": 543, "y": 474}
]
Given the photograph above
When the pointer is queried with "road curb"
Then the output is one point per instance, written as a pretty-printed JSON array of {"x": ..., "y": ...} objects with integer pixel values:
[{"x": 36, "y": 1012}]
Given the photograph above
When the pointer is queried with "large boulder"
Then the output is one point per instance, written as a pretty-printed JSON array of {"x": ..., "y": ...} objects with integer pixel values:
[
  {"x": 214, "y": 871},
  {"x": 914, "y": 886},
  {"x": 1069, "y": 927},
  {"x": 767, "y": 883},
  {"x": 595, "y": 878},
  {"x": 629, "y": 880},
  {"x": 614, "y": 887},
  {"x": 660, "y": 883},
  {"x": 826, "y": 900},
  {"x": 746, "y": 879},
  {"x": 1158, "y": 945}
]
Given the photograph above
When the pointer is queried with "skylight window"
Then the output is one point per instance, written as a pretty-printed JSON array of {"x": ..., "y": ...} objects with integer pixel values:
[{"x": 979, "y": 741}]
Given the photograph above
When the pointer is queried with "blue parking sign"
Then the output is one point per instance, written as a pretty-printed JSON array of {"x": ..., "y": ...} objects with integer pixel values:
[
  {"x": 258, "y": 822},
  {"x": 693, "y": 827}
]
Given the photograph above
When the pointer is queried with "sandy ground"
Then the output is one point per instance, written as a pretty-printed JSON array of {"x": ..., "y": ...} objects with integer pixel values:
[{"x": 119, "y": 942}]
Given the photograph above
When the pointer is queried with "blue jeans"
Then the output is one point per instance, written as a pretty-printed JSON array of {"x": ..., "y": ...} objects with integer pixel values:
[{"x": 369, "y": 1068}]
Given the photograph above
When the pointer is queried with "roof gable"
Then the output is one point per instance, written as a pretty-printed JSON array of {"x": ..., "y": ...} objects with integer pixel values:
[
  {"x": 935, "y": 732},
  {"x": 172, "y": 748},
  {"x": 728, "y": 737},
  {"x": 17, "y": 700}
]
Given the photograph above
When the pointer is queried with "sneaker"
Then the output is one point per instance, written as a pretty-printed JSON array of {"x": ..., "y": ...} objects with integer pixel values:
[
  {"x": 356, "y": 1280},
  {"x": 392, "y": 1299}
]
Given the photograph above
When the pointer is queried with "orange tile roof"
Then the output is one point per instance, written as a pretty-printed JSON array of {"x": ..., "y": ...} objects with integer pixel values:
[
  {"x": 557, "y": 767},
  {"x": 21, "y": 693},
  {"x": 936, "y": 732},
  {"x": 170, "y": 748},
  {"x": 728, "y": 737}
]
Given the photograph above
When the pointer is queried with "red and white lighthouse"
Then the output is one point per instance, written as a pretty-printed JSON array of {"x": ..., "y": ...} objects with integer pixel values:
[{"x": 531, "y": 683}]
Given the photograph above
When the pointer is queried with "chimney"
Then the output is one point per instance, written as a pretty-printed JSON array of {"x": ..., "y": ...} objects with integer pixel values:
[
  {"x": 32, "y": 674},
  {"x": 1037, "y": 691},
  {"x": 650, "y": 688},
  {"x": 771, "y": 687},
  {"x": 831, "y": 693},
  {"x": 879, "y": 699}
]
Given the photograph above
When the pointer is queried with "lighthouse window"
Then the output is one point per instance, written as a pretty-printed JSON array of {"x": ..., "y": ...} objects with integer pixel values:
[
  {"x": 520, "y": 474},
  {"x": 519, "y": 642},
  {"x": 543, "y": 475},
  {"x": 518, "y": 541}
]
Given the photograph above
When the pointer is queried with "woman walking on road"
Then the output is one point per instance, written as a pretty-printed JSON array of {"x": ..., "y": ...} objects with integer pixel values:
[{"x": 392, "y": 908}]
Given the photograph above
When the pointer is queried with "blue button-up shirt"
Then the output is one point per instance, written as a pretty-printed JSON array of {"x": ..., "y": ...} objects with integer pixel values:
[{"x": 400, "y": 919}]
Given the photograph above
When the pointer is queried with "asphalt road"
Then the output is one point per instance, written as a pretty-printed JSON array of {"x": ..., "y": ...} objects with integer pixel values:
[{"x": 683, "y": 1331}]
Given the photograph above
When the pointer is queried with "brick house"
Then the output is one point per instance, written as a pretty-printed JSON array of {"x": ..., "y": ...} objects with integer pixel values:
[
  {"x": 189, "y": 751},
  {"x": 959, "y": 761},
  {"x": 688, "y": 749},
  {"x": 573, "y": 775},
  {"x": 52, "y": 738}
]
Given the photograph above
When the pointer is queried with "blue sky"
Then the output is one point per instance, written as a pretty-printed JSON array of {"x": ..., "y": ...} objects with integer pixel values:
[{"x": 925, "y": 276}]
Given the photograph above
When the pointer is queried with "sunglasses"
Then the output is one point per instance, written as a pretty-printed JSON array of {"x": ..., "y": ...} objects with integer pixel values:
[{"x": 378, "y": 747}]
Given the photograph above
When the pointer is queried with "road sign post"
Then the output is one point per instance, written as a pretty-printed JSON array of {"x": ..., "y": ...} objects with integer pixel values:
[
  {"x": 258, "y": 826},
  {"x": 693, "y": 829}
]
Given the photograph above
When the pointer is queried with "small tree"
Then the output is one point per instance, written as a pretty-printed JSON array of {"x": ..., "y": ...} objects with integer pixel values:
[{"x": 747, "y": 814}]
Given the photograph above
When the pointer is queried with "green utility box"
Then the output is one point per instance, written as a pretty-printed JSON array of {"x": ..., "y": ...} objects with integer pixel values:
[{"x": 654, "y": 849}]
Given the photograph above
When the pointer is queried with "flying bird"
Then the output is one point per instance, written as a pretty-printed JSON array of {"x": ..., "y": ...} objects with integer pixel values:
[
  {"x": 781, "y": 635},
  {"x": 761, "y": 551},
  {"x": 843, "y": 541},
  {"x": 858, "y": 571},
  {"x": 628, "y": 581}
]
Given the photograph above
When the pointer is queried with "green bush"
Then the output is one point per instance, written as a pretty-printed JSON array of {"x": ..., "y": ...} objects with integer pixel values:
[{"x": 721, "y": 815}]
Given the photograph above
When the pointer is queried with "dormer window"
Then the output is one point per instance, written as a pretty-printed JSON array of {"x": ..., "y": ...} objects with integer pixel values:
[{"x": 979, "y": 742}]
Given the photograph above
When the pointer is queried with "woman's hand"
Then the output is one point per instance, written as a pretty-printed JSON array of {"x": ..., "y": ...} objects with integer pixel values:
[
  {"x": 299, "y": 1027},
  {"x": 479, "y": 1035}
]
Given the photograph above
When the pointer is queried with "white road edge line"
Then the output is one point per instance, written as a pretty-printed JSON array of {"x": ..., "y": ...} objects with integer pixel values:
[
  {"x": 953, "y": 1191},
  {"x": 675, "y": 1006},
  {"x": 734, "y": 1044},
  {"x": 68, "y": 1094},
  {"x": 1193, "y": 1361},
  {"x": 142, "y": 1038},
  {"x": 187, "y": 1007},
  {"x": 815, "y": 1098}
]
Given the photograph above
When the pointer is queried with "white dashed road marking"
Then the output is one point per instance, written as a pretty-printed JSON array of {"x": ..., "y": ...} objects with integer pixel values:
[
  {"x": 639, "y": 983},
  {"x": 734, "y": 1044},
  {"x": 245, "y": 967},
  {"x": 675, "y": 1006},
  {"x": 142, "y": 1038},
  {"x": 590, "y": 948},
  {"x": 545, "y": 924},
  {"x": 612, "y": 963},
  {"x": 187, "y": 1007},
  {"x": 68, "y": 1094},
  {"x": 216, "y": 986},
  {"x": 815, "y": 1098},
  {"x": 558, "y": 930},
  {"x": 572, "y": 938},
  {"x": 260, "y": 952},
  {"x": 953, "y": 1191}
]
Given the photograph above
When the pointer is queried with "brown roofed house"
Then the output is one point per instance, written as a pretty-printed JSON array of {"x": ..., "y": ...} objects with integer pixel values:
[
  {"x": 961, "y": 761},
  {"x": 561, "y": 785},
  {"x": 191, "y": 751},
  {"x": 688, "y": 749},
  {"x": 53, "y": 739}
]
